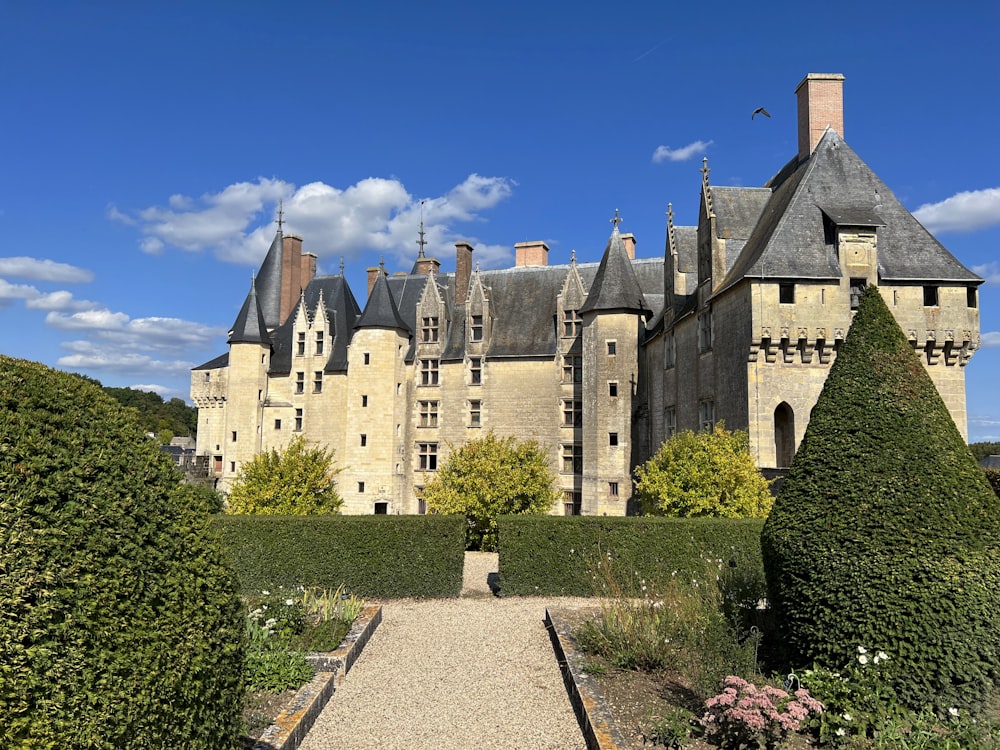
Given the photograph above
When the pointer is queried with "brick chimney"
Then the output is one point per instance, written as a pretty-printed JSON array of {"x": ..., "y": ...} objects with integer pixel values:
[
  {"x": 463, "y": 271},
  {"x": 531, "y": 254},
  {"x": 373, "y": 273},
  {"x": 291, "y": 273},
  {"x": 425, "y": 265},
  {"x": 628, "y": 240},
  {"x": 821, "y": 103},
  {"x": 308, "y": 268}
]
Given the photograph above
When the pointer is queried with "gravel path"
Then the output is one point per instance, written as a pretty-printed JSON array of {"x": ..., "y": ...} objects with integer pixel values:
[{"x": 475, "y": 672}]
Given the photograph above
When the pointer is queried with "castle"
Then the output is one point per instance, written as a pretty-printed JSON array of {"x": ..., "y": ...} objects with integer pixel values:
[{"x": 738, "y": 320}]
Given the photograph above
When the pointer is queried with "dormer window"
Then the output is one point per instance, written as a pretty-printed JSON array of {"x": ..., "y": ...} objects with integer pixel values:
[
  {"x": 300, "y": 345},
  {"x": 476, "y": 331},
  {"x": 571, "y": 323},
  {"x": 319, "y": 342},
  {"x": 429, "y": 329},
  {"x": 857, "y": 289}
]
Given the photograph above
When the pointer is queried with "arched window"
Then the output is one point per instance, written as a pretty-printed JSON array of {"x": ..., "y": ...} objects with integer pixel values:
[{"x": 784, "y": 435}]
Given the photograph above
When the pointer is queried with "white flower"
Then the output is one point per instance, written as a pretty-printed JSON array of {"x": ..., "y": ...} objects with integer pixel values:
[
  {"x": 571, "y": 551},
  {"x": 841, "y": 732},
  {"x": 882, "y": 655},
  {"x": 863, "y": 659},
  {"x": 953, "y": 711},
  {"x": 265, "y": 593},
  {"x": 848, "y": 717},
  {"x": 862, "y": 650},
  {"x": 289, "y": 602}
]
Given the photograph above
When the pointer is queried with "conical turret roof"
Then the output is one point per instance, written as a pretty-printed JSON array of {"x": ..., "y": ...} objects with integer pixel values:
[
  {"x": 250, "y": 327},
  {"x": 381, "y": 310},
  {"x": 615, "y": 286}
]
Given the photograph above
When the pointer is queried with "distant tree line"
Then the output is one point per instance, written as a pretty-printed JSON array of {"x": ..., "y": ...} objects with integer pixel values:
[
  {"x": 982, "y": 450},
  {"x": 166, "y": 419}
]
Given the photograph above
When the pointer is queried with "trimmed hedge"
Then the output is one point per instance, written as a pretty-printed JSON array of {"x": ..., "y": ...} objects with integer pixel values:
[
  {"x": 374, "y": 556},
  {"x": 993, "y": 476},
  {"x": 553, "y": 555},
  {"x": 886, "y": 534},
  {"x": 120, "y": 624}
]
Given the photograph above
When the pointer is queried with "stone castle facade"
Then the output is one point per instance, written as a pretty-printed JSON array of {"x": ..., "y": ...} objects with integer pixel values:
[{"x": 738, "y": 320}]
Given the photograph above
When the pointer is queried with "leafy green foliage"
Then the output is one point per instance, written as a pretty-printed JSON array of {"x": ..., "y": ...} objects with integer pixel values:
[
  {"x": 490, "y": 477},
  {"x": 163, "y": 418},
  {"x": 373, "y": 556},
  {"x": 886, "y": 534},
  {"x": 120, "y": 624},
  {"x": 982, "y": 450},
  {"x": 993, "y": 476},
  {"x": 296, "y": 481},
  {"x": 710, "y": 473}
]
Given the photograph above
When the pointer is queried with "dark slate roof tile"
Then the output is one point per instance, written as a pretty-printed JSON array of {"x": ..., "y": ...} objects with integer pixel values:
[
  {"x": 615, "y": 287},
  {"x": 214, "y": 364},
  {"x": 269, "y": 282},
  {"x": 381, "y": 310},
  {"x": 250, "y": 327}
]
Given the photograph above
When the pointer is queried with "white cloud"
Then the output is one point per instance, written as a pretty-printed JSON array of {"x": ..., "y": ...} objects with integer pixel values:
[
  {"x": 989, "y": 271},
  {"x": 375, "y": 214},
  {"x": 40, "y": 269},
  {"x": 87, "y": 320},
  {"x": 61, "y": 301},
  {"x": 10, "y": 292},
  {"x": 118, "y": 335},
  {"x": 968, "y": 211},
  {"x": 165, "y": 392},
  {"x": 665, "y": 153},
  {"x": 990, "y": 340},
  {"x": 89, "y": 357}
]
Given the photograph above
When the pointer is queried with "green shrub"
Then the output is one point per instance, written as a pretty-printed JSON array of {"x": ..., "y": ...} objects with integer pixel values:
[
  {"x": 886, "y": 534},
  {"x": 120, "y": 625},
  {"x": 551, "y": 555},
  {"x": 373, "y": 556},
  {"x": 993, "y": 476}
]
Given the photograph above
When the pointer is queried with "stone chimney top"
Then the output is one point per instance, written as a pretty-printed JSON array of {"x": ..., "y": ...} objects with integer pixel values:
[
  {"x": 821, "y": 104},
  {"x": 463, "y": 271},
  {"x": 628, "y": 240},
  {"x": 531, "y": 254}
]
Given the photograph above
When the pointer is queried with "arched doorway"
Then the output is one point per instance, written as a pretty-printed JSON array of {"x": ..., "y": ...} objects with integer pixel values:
[{"x": 784, "y": 435}]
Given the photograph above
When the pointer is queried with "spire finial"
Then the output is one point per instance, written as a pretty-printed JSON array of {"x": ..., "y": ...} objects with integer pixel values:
[
  {"x": 381, "y": 264},
  {"x": 670, "y": 213},
  {"x": 704, "y": 168},
  {"x": 281, "y": 213},
  {"x": 421, "y": 243},
  {"x": 617, "y": 220},
  {"x": 572, "y": 256},
  {"x": 341, "y": 266}
]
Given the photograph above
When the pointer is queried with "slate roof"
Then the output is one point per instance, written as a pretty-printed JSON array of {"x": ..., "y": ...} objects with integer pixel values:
[
  {"x": 342, "y": 311},
  {"x": 615, "y": 286},
  {"x": 269, "y": 282},
  {"x": 213, "y": 364},
  {"x": 790, "y": 239},
  {"x": 250, "y": 327},
  {"x": 380, "y": 310}
]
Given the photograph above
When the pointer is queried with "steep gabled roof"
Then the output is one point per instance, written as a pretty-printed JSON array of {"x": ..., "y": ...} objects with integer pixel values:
[
  {"x": 834, "y": 184},
  {"x": 342, "y": 312},
  {"x": 269, "y": 282},
  {"x": 381, "y": 310},
  {"x": 249, "y": 327},
  {"x": 615, "y": 286}
]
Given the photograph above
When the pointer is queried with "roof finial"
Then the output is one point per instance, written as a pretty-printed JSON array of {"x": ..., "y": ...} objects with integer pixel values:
[
  {"x": 617, "y": 220},
  {"x": 706, "y": 188},
  {"x": 670, "y": 213},
  {"x": 281, "y": 213},
  {"x": 341, "y": 266},
  {"x": 381, "y": 264},
  {"x": 421, "y": 242},
  {"x": 572, "y": 256}
]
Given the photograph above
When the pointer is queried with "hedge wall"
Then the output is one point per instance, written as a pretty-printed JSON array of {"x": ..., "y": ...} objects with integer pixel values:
[
  {"x": 554, "y": 556},
  {"x": 374, "y": 556}
]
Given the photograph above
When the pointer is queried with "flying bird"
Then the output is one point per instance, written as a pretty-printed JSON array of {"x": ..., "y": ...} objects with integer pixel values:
[{"x": 760, "y": 111}]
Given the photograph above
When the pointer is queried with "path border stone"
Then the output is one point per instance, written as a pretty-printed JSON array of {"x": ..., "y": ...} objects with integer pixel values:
[
  {"x": 291, "y": 725},
  {"x": 585, "y": 695}
]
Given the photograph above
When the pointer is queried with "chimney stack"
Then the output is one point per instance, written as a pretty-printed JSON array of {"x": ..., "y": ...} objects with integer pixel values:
[
  {"x": 628, "y": 240},
  {"x": 463, "y": 271},
  {"x": 425, "y": 265},
  {"x": 531, "y": 254},
  {"x": 291, "y": 273},
  {"x": 821, "y": 103},
  {"x": 373, "y": 273}
]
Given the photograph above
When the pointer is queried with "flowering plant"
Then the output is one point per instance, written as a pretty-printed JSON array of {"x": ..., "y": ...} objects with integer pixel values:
[{"x": 744, "y": 715}]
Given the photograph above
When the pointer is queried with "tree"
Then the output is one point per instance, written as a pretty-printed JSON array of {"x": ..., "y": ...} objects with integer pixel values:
[
  {"x": 709, "y": 473},
  {"x": 121, "y": 624},
  {"x": 488, "y": 478},
  {"x": 886, "y": 533},
  {"x": 296, "y": 481}
]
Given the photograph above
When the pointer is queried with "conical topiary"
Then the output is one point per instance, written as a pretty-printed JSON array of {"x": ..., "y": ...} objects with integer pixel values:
[
  {"x": 885, "y": 534},
  {"x": 120, "y": 625}
]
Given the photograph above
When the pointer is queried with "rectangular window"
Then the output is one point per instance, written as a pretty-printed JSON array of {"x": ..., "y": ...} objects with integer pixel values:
[
  {"x": 428, "y": 456},
  {"x": 429, "y": 330},
  {"x": 300, "y": 382},
  {"x": 234, "y": 436},
  {"x": 612, "y": 438},
  {"x": 613, "y": 389},
  {"x": 428, "y": 413},
  {"x": 298, "y": 420},
  {"x": 277, "y": 424},
  {"x": 613, "y": 489},
  {"x": 364, "y": 440},
  {"x": 857, "y": 288},
  {"x": 361, "y": 487},
  {"x": 421, "y": 505},
  {"x": 475, "y": 413},
  {"x": 705, "y": 331},
  {"x": 612, "y": 348},
  {"x": 364, "y": 402},
  {"x": 572, "y": 502},
  {"x": 930, "y": 296},
  {"x": 476, "y": 332},
  {"x": 669, "y": 356},
  {"x": 970, "y": 297},
  {"x": 475, "y": 370},
  {"x": 318, "y": 381},
  {"x": 572, "y": 458},
  {"x": 706, "y": 415},
  {"x": 319, "y": 342},
  {"x": 428, "y": 372},
  {"x": 572, "y": 368},
  {"x": 232, "y": 466},
  {"x": 572, "y": 413},
  {"x": 571, "y": 323},
  {"x": 300, "y": 344},
  {"x": 669, "y": 422},
  {"x": 368, "y": 358},
  {"x": 786, "y": 294}
]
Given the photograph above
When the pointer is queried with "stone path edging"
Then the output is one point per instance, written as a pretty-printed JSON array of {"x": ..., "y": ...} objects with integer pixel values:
[
  {"x": 596, "y": 722},
  {"x": 292, "y": 724}
]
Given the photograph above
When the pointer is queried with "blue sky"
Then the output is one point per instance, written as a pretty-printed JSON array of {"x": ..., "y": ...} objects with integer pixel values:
[{"x": 145, "y": 146}]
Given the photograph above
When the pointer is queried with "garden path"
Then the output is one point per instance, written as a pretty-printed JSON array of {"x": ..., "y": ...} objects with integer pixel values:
[{"x": 477, "y": 672}]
